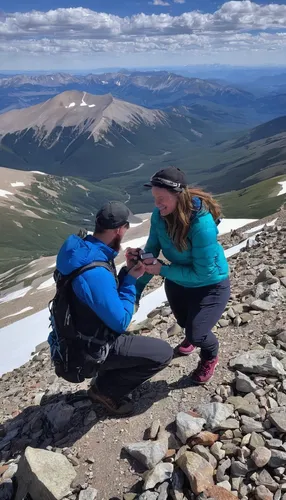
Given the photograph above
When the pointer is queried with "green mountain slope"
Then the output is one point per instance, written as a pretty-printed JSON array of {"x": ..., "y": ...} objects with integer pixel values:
[
  {"x": 35, "y": 219},
  {"x": 257, "y": 155},
  {"x": 256, "y": 201}
]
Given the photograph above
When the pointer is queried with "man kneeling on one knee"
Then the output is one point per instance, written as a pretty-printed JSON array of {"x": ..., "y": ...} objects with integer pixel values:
[{"x": 101, "y": 306}]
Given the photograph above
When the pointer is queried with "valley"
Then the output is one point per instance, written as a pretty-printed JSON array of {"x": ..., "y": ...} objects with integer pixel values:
[{"x": 64, "y": 150}]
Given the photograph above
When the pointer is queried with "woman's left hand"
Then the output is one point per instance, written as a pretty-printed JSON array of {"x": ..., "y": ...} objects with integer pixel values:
[{"x": 154, "y": 269}]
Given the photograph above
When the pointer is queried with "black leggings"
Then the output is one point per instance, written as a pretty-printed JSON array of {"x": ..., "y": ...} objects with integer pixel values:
[{"x": 198, "y": 310}]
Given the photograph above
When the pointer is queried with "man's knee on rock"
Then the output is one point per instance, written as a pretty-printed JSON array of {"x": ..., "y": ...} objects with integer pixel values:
[{"x": 167, "y": 354}]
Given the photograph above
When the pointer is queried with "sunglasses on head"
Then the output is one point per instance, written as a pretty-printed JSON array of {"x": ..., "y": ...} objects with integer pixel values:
[{"x": 159, "y": 181}]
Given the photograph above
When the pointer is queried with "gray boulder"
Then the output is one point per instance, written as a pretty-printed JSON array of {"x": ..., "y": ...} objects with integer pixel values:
[
  {"x": 149, "y": 453},
  {"x": 244, "y": 383},
  {"x": 259, "y": 362},
  {"x": 88, "y": 494},
  {"x": 279, "y": 420},
  {"x": 44, "y": 474},
  {"x": 162, "y": 472},
  {"x": 188, "y": 426},
  {"x": 215, "y": 413}
]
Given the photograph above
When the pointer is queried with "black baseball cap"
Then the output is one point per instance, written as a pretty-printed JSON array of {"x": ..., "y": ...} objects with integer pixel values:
[
  {"x": 115, "y": 214},
  {"x": 169, "y": 178}
]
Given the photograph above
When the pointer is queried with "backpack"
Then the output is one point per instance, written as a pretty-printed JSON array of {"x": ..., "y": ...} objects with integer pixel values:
[{"x": 67, "y": 345}]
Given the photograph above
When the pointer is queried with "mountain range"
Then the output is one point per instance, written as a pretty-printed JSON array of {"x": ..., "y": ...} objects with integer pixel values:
[
  {"x": 154, "y": 89},
  {"x": 147, "y": 88},
  {"x": 93, "y": 147},
  {"x": 100, "y": 136}
]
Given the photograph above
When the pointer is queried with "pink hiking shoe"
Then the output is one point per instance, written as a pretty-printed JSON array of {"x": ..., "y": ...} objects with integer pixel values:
[
  {"x": 186, "y": 348},
  {"x": 204, "y": 371}
]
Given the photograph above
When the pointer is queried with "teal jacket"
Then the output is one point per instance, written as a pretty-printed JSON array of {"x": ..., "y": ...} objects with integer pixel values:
[{"x": 203, "y": 263}]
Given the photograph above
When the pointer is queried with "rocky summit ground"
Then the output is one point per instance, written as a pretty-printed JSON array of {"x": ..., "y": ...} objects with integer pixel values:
[{"x": 220, "y": 441}]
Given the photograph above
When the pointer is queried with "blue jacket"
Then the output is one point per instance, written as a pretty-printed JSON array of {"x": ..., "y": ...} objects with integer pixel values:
[
  {"x": 97, "y": 287},
  {"x": 203, "y": 263}
]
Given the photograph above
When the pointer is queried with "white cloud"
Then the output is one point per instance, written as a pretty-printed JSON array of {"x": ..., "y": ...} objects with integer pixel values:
[
  {"x": 160, "y": 2},
  {"x": 179, "y": 1},
  {"x": 196, "y": 43},
  {"x": 236, "y": 27},
  {"x": 75, "y": 22}
]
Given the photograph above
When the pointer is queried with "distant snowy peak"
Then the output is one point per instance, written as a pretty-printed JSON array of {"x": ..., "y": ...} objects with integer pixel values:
[
  {"x": 85, "y": 113},
  {"x": 152, "y": 80}
]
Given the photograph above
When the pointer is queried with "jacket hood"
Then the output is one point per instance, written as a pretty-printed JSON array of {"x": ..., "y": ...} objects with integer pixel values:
[
  {"x": 76, "y": 252},
  {"x": 199, "y": 210},
  {"x": 197, "y": 205}
]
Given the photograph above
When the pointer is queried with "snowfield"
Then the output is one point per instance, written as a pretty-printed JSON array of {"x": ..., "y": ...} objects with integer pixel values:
[
  {"x": 228, "y": 225},
  {"x": 17, "y": 341}
]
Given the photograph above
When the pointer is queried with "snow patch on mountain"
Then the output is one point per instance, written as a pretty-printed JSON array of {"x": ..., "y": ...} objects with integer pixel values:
[
  {"x": 17, "y": 294},
  {"x": 5, "y": 193},
  {"x": 17, "y": 184},
  {"x": 283, "y": 188}
]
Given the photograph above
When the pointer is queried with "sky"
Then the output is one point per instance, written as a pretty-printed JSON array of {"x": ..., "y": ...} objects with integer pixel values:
[{"x": 90, "y": 34}]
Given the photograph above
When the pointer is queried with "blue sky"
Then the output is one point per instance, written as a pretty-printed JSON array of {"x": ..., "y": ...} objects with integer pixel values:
[
  {"x": 118, "y": 7},
  {"x": 69, "y": 34}
]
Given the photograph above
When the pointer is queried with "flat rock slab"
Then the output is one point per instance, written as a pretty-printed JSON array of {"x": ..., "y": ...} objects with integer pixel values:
[
  {"x": 198, "y": 471},
  {"x": 188, "y": 426},
  {"x": 162, "y": 472},
  {"x": 149, "y": 453},
  {"x": 279, "y": 420},
  {"x": 44, "y": 475},
  {"x": 261, "y": 305},
  {"x": 88, "y": 494},
  {"x": 204, "y": 438},
  {"x": 215, "y": 413},
  {"x": 219, "y": 493},
  {"x": 258, "y": 361},
  {"x": 244, "y": 383}
]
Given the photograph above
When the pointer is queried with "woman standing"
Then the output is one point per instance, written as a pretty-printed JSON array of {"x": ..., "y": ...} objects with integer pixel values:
[{"x": 184, "y": 228}]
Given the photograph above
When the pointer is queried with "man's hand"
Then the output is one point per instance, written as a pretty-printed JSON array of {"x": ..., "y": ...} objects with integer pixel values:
[
  {"x": 154, "y": 267},
  {"x": 131, "y": 255},
  {"x": 137, "y": 270}
]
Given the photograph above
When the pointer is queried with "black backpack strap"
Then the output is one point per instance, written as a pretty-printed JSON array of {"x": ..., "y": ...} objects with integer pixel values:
[{"x": 68, "y": 279}]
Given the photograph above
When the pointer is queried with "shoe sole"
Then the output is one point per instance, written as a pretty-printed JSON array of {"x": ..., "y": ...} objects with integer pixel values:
[
  {"x": 180, "y": 353},
  {"x": 97, "y": 399},
  {"x": 186, "y": 353},
  {"x": 204, "y": 383}
]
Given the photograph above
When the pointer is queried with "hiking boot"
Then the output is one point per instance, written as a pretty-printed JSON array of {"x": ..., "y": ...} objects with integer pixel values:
[
  {"x": 204, "y": 371},
  {"x": 185, "y": 348},
  {"x": 123, "y": 408}
]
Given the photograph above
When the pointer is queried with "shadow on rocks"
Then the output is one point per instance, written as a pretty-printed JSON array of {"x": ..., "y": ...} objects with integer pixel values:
[
  {"x": 63, "y": 418},
  {"x": 183, "y": 383}
]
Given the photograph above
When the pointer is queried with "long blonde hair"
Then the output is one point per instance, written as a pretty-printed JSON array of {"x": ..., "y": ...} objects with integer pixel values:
[{"x": 178, "y": 223}]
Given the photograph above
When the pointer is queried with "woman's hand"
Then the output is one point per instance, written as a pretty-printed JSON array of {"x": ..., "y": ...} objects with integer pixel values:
[{"x": 152, "y": 266}]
